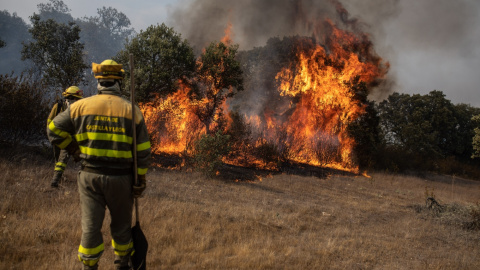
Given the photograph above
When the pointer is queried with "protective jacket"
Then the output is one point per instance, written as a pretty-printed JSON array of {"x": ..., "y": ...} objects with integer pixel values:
[
  {"x": 102, "y": 126},
  {"x": 56, "y": 109}
]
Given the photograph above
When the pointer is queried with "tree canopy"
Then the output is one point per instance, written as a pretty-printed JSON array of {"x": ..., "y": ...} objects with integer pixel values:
[
  {"x": 56, "y": 52},
  {"x": 162, "y": 57},
  {"x": 218, "y": 76},
  {"x": 56, "y": 10},
  {"x": 476, "y": 137},
  {"x": 104, "y": 35},
  {"x": 425, "y": 129},
  {"x": 422, "y": 124},
  {"x": 13, "y": 31}
]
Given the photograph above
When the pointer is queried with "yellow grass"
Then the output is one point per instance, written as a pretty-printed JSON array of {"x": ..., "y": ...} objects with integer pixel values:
[{"x": 281, "y": 222}]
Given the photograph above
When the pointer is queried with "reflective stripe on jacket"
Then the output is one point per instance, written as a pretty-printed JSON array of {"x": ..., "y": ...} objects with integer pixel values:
[
  {"x": 55, "y": 111},
  {"x": 102, "y": 126}
]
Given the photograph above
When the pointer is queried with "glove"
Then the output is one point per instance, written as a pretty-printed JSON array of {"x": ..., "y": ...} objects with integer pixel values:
[
  {"x": 142, "y": 184},
  {"x": 74, "y": 151}
]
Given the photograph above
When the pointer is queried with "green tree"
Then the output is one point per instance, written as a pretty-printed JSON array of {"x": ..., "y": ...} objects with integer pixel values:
[
  {"x": 464, "y": 130},
  {"x": 13, "y": 31},
  {"x": 56, "y": 52},
  {"x": 219, "y": 76},
  {"x": 420, "y": 124},
  {"x": 116, "y": 21},
  {"x": 162, "y": 58},
  {"x": 56, "y": 10},
  {"x": 476, "y": 137},
  {"x": 104, "y": 35}
]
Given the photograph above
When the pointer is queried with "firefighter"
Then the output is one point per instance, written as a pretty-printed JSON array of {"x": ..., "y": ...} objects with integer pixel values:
[
  {"x": 98, "y": 131},
  {"x": 70, "y": 95}
]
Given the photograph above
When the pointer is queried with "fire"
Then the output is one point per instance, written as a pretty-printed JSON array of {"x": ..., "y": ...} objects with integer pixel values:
[
  {"x": 316, "y": 87},
  {"x": 227, "y": 38},
  {"x": 171, "y": 122},
  {"x": 228, "y": 33},
  {"x": 326, "y": 104}
]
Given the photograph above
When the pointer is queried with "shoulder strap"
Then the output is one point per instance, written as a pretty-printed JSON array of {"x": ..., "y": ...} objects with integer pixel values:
[{"x": 59, "y": 106}]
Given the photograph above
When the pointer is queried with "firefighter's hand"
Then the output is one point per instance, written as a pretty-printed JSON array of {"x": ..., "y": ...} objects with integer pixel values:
[
  {"x": 74, "y": 151},
  {"x": 142, "y": 184}
]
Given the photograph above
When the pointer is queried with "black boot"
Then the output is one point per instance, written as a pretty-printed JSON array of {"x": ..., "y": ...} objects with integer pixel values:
[
  {"x": 57, "y": 176},
  {"x": 86, "y": 267},
  {"x": 122, "y": 262}
]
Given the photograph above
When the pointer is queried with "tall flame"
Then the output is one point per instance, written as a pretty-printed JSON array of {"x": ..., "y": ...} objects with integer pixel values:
[
  {"x": 317, "y": 128},
  {"x": 171, "y": 122},
  {"x": 228, "y": 33}
]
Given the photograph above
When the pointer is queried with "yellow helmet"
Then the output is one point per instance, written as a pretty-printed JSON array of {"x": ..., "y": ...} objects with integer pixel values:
[
  {"x": 108, "y": 69},
  {"x": 73, "y": 91}
]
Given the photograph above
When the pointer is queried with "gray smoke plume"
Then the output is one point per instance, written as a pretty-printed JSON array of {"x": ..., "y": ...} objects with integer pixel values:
[
  {"x": 254, "y": 21},
  {"x": 430, "y": 44}
]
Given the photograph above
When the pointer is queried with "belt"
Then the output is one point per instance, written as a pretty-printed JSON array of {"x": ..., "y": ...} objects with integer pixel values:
[{"x": 107, "y": 171}]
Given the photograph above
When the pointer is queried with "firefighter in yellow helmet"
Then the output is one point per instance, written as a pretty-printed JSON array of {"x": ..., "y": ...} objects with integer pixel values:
[
  {"x": 71, "y": 94},
  {"x": 98, "y": 130}
]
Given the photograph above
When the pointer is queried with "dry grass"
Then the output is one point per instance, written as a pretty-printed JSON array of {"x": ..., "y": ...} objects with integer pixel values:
[{"x": 281, "y": 222}]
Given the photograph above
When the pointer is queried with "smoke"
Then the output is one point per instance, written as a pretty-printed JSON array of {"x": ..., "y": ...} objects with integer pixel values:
[
  {"x": 254, "y": 21},
  {"x": 430, "y": 44},
  {"x": 434, "y": 24}
]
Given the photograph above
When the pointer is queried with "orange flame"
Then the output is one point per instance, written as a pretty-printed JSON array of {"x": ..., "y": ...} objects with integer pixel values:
[
  {"x": 227, "y": 40},
  {"x": 170, "y": 122},
  {"x": 316, "y": 131}
]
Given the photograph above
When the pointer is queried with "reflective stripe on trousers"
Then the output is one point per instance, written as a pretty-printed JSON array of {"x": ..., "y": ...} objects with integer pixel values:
[
  {"x": 62, "y": 161},
  {"x": 90, "y": 256},
  {"x": 122, "y": 250}
]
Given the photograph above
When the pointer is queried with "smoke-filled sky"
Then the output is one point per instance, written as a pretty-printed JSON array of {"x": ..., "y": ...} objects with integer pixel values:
[{"x": 430, "y": 44}]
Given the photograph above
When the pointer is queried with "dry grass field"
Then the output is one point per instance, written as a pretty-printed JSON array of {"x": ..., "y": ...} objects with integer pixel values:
[{"x": 275, "y": 221}]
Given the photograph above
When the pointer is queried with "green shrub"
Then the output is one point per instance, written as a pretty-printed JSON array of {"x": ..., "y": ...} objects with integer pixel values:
[
  {"x": 475, "y": 215},
  {"x": 209, "y": 151}
]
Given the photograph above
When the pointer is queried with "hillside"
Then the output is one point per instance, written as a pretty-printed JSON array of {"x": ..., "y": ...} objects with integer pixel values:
[{"x": 278, "y": 221}]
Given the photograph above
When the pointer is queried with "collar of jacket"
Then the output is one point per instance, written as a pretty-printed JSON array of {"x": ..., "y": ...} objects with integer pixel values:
[{"x": 112, "y": 90}]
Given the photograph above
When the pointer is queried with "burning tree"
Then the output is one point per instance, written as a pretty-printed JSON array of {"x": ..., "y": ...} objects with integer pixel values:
[
  {"x": 310, "y": 92},
  {"x": 178, "y": 120},
  {"x": 218, "y": 77}
]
